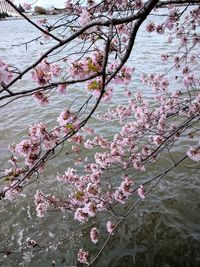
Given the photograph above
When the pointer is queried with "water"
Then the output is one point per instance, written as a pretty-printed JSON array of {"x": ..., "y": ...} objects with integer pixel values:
[{"x": 163, "y": 231}]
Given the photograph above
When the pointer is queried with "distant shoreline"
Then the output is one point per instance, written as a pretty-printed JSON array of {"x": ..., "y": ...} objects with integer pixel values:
[
  {"x": 30, "y": 17},
  {"x": 63, "y": 14}
]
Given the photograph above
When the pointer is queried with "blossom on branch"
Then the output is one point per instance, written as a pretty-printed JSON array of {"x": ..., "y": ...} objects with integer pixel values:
[
  {"x": 194, "y": 154},
  {"x": 141, "y": 191},
  {"x": 94, "y": 235},
  {"x": 83, "y": 256}
]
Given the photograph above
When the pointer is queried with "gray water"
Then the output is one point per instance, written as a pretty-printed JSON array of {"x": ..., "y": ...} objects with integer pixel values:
[{"x": 163, "y": 231}]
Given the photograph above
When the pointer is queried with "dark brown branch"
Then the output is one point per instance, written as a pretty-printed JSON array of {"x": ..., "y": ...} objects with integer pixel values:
[{"x": 49, "y": 86}]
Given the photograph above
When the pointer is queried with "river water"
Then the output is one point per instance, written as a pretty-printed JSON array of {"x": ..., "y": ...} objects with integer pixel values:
[{"x": 164, "y": 231}]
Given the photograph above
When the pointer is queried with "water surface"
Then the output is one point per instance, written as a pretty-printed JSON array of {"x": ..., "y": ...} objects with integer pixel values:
[{"x": 164, "y": 231}]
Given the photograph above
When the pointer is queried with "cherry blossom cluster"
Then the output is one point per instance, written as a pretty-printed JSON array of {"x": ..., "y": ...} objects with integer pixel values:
[
  {"x": 39, "y": 141},
  {"x": 138, "y": 117},
  {"x": 182, "y": 29},
  {"x": 127, "y": 141},
  {"x": 45, "y": 202},
  {"x": 30, "y": 148},
  {"x": 89, "y": 196},
  {"x": 194, "y": 153},
  {"x": 88, "y": 66},
  {"x": 45, "y": 72}
]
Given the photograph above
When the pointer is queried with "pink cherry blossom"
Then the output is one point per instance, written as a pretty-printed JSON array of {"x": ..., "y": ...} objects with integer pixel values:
[
  {"x": 194, "y": 154},
  {"x": 84, "y": 18},
  {"x": 89, "y": 144},
  {"x": 150, "y": 27},
  {"x": 67, "y": 120},
  {"x": 45, "y": 72},
  {"x": 94, "y": 235},
  {"x": 110, "y": 227},
  {"x": 160, "y": 29},
  {"x": 141, "y": 191},
  {"x": 41, "y": 98},
  {"x": 90, "y": 209},
  {"x": 62, "y": 88},
  {"x": 124, "y": 190},
  {"x": 70, "y": 176},
  {"x": 81, "y": 216},
  {"x": 11, "y": 192},
  {"x": 41, "y": 204},
  {"x": 83, "y": 256}
]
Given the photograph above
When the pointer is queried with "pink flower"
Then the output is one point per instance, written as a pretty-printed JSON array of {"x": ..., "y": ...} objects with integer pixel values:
[
  {"x": 84, "y": 18},
  {"x": 89, "y": 144},
  {"x": 13, "y": 171},
  {"x": 24, "y": 148},
  {"x": 62, "y": 88},
  {"x": 69, "y": 6},
  {"x": 141, "y": 191},
  {"x": 194, "y": 154},
  {"x": 103, "y": 159},
  {"x": 160, "y": 29},
  {"x": 82, "y": 256},
  {"x": 156, "y": 139},
  {"x": 41, "y": 98},
  {"x": 55, "y": 70},
  {"x": 94, "y": 235},
  {"x": 107, "y": 96},
  {"x": 92, "y": 189},
  {"x": 77, "y": 70},
  {"x": 124, "y": 76},
  {"x": 81, "y": 215},
  {"x": 70, "y": 176},
  {"x": 124, "y": 190},
  {"x": 45, "y": 72},
  {"x": 41, "y": 204},
  {"x": 88, "y": 130},
  {"x": 150, "y": 27},
  {"x": 189, "y": 80},
  {"x": 76, "y": 149},
  {"x": 137, "y": 164},
  {"x": 67, "y": 120},
  {"x": 10, "y": 192},
  {"x": 110, "y": 227},
  {"x": 78, "y": 139},
  {"x": 92, "y": 168},
  {"x": 90, "y": 209},
  {"x": 164, "y": 57}
]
